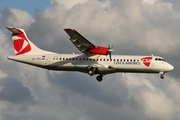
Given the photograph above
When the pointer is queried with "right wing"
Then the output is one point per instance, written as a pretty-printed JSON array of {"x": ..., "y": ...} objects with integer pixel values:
[{"x": 79, "y": 41}]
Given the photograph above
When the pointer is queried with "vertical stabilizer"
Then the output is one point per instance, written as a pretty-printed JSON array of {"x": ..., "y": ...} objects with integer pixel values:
[{"x": 22, "y": 45}]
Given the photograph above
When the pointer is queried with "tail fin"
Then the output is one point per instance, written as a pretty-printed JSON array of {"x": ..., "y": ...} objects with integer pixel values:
[{"x": 22, "y": 45}]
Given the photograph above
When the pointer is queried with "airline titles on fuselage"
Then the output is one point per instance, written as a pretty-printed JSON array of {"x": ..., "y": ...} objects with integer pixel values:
[{"x": 127, "y": 63}]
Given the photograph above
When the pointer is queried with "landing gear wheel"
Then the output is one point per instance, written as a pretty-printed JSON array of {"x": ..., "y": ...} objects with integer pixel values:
[
  {"x": 162, "y": 77},
  {"x": 91, "y": 72},
  {"x": 99, "y": 78}
]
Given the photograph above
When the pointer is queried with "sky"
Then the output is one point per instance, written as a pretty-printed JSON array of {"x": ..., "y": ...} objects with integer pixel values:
[
  {"x": 134, "y": 27},
  {"x": 28, "y": 6}
]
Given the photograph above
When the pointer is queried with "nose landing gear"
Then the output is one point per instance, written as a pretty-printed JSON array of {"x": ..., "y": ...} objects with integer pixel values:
[{"x": 162, "y": 75}]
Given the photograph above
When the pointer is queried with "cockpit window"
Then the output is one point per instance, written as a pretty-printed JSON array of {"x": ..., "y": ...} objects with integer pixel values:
[{"x": 159, "y": 59}]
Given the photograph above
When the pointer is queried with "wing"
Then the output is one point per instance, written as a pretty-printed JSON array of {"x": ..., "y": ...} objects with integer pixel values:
[{"x": 79, "y": 41}]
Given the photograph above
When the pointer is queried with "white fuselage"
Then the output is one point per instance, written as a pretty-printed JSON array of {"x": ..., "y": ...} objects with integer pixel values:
[{"x": 81, "y": 63}]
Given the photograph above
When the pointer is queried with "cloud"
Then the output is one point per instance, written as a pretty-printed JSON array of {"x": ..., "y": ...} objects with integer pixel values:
[
  {"x": 68, "y": 4},
  {"x": 15, "y": 17},
  {"x": 134, "y": 27},
  {"x": 149, "y": 1},
  {"x": 13, "y": 91}
]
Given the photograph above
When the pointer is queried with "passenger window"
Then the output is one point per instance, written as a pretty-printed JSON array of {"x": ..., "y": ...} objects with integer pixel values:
[{"x": 69, "y": 58}]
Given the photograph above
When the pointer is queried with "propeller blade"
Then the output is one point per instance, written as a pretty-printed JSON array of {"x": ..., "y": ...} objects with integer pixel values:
[
  {"x": 110, "y": 55},
  {"x": 108, "y": 45},
  {"x": 110, "y": 50},
  {"x": 112, "y": 46}
]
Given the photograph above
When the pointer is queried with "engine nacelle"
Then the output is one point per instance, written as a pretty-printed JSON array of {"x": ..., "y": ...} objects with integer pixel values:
[{"x": 99, "y": 50}]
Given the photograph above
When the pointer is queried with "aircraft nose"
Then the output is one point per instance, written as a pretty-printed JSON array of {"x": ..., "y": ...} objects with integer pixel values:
[{"x": 170, "y": 67}]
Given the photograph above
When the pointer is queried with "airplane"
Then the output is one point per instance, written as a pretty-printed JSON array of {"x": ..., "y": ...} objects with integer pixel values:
[{"x": 95, "y": 60}]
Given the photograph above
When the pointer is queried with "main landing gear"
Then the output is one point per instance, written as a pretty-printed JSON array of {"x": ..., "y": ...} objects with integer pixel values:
[
  {"x": 162, "y": 75},
  {"x": 93, "y": 71},
  {"x": 99, "y": 78}
]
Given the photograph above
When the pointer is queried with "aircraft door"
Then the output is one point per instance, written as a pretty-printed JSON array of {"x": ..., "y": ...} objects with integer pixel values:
[
  {"x": 152, "y": 63},
  {"x": 47, "y": 61}
]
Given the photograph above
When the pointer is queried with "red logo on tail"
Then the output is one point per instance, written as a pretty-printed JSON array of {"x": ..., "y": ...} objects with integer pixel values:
[
  {"x": 146, "y": 60},
  {"x": 21, "y": 44}
]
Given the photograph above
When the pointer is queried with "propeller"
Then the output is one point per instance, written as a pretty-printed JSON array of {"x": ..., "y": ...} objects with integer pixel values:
[{"x": 110, "y": 50}]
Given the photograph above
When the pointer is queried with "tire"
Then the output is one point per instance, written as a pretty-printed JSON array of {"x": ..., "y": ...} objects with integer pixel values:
[
  {"x": 162, "y": 77},
  {"x": 99, "y": 78}
]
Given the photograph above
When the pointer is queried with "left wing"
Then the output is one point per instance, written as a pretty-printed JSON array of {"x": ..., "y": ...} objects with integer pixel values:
[
  {"x": 79, "y": 41},
  {"x": 85, "y": 46}
]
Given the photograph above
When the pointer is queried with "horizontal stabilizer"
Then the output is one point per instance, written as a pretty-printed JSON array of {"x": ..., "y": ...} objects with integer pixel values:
[{"x": 13, "y": 30}]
